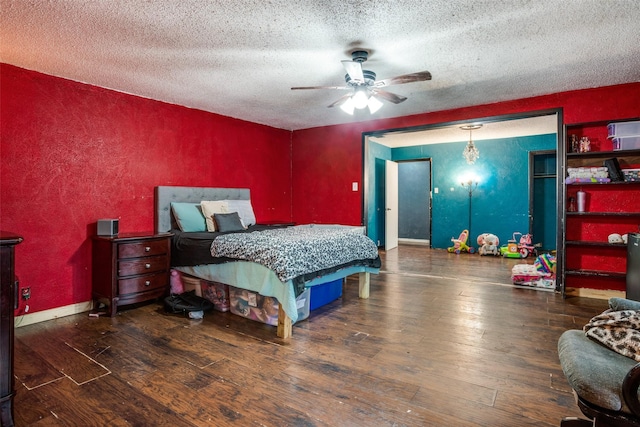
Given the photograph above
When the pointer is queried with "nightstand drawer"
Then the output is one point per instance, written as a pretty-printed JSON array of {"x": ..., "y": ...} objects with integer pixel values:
[
  {"x": 139, "y": 249},
  {"x": 142, "y": 283},
  {"x": 142, "y": 266}
]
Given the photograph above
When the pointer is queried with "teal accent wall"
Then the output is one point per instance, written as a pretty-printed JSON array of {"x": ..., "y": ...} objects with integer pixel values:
[{"x": 500, "y": 203}]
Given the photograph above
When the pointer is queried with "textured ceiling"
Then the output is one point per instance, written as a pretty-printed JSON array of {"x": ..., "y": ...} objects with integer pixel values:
[{"x": 240, "y": 58}]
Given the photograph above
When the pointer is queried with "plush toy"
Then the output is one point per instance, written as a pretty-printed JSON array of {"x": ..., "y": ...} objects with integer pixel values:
[{"x": 488, "y": 244}]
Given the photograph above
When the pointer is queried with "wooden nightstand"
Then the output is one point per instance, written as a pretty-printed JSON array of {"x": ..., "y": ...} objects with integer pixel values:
[{"x": 130, "y": 268}]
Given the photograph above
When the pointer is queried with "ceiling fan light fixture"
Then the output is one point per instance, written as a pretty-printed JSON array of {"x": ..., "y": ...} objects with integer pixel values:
[
  {"x": 374, "y": 104},
  {"x": 360, "y": 99},
  {"x": 348, "y": 106},
  {"x": 364, "y": 89}
]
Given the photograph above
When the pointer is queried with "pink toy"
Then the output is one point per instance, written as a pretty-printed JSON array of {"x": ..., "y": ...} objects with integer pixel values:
[
  {"x": 525, "y": 247},
  {"x": 177, "y": 287}
]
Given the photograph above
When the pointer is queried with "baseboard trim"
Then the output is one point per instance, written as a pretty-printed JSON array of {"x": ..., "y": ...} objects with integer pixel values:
[
  {"x": 54, "y": 313},
  {"x": 594, "y": 293},
  {"x": 420, "y": 242}
]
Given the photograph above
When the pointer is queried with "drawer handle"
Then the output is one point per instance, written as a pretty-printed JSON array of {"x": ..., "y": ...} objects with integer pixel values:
[
  {"x": 147, "y": 283},
  {"x": 147, "y": 248},
  {"x": 147, "y": 265}
]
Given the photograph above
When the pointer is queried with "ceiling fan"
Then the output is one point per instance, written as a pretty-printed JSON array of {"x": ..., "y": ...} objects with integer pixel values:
[{"x": 364, "y": 90}]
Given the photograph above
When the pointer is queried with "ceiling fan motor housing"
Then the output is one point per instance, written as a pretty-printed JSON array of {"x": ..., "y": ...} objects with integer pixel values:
[
  {"x": 369, "y": 79},
  {"x": 359, "y": 55}
]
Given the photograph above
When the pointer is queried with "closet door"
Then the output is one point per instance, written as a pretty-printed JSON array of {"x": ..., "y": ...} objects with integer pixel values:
[{"x": 391, "y": 206}]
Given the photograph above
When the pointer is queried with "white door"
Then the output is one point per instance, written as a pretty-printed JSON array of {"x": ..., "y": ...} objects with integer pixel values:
[{"x": 391, "y": 206}]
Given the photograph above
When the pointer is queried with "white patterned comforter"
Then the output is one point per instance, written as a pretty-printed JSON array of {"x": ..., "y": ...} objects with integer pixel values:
[{"x": 294, "y": 251}]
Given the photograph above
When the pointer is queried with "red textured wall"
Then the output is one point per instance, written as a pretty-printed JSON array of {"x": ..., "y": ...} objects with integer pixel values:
[
  {"x": 326, "y": 160},
  {"x": 73, "y": 153}
]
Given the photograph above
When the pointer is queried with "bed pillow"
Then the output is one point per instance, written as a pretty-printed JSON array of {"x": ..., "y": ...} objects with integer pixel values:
[
  {"x": 228, "y": 222},
  {"x": 213, "y": 207},
  {"x": 188, "y": 216},
  {"x": 244, "y": 209}
]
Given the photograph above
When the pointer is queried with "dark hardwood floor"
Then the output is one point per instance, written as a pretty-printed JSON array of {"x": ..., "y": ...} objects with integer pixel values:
[{"x": 443, "y": 341}]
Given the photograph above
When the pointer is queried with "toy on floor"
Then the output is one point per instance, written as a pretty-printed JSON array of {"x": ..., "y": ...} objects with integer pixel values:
[
  {"x": 510, "y": 250},
  {"x": 460, "y": 244},
  {"x": 526, "y": 246},
  {"x": 522, "y": 249},
  {"x": 488, "y": 244},
  {"x": 546, "y": 264},
  {"x": 175, "y": 280}
]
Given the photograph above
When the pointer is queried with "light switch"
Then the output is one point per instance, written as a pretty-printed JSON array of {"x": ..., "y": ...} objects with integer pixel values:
[
  {"x": 354, "y": 186},
  {"x": 435, "y": 190}
]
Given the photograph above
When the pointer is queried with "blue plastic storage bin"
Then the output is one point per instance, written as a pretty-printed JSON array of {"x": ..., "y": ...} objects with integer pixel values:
[{"x": 325, "y": 293}]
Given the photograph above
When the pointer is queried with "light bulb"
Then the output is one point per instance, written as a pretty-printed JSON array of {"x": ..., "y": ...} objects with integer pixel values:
[
  {"x": 360, "y": 99},
  {"x": 374, "y": 104},
  {"x": 347, "y": 106}
]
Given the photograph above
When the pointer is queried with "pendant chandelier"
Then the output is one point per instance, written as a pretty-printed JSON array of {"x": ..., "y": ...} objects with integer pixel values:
[{"x": 471, "y": 152}]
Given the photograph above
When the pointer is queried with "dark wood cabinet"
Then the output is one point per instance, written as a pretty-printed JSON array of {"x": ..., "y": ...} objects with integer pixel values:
[
  {"x": 130, "y": 268},
  {"x": 8, "y": 303}
]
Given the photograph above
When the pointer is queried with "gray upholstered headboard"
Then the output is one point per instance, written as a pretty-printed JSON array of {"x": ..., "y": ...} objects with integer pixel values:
[{"x": 165, "y": 195}]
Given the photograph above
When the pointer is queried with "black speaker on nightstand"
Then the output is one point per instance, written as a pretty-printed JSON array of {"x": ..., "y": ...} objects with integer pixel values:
[
  {"x": 633, "y": 266},
  {"x": 108, "y": 227}
]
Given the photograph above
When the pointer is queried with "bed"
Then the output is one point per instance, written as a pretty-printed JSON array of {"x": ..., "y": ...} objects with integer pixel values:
[{"x": 192, "y": 248}]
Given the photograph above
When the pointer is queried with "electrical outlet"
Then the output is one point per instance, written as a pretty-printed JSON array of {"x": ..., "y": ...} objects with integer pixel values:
[{"x": 26, "y": 293}]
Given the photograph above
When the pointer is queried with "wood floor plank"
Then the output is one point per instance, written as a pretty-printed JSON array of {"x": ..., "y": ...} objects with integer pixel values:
[
  {"x": 37, "y": 412},
  {"x": 477, "y": 413},
  {"x": 534, "y": 402},
  {"x": 32, "y": 370},
  {"x": 195, "y": 395},
  {"x": 67, "y": 360},
  {"x": 338, "y": 401}
]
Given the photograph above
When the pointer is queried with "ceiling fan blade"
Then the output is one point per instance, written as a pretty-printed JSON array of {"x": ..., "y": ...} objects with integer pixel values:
[
  {"x": 391, "y": 97},
  {"x": 354, "y": 69},
  {"x": 322, "y": 87},
  {"x": 340, "y": 101},
  {"x": 406, "y": 78}
]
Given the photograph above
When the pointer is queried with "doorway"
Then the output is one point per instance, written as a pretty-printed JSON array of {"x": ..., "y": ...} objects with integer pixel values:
[
  {"x": 543, "y": 198},
  {"x": 414, "y": 201},
  {"x": 407, "y": 202},
  {"x": 503, "y": 196}
]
